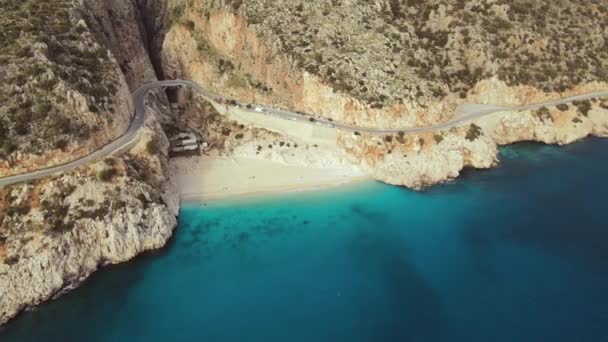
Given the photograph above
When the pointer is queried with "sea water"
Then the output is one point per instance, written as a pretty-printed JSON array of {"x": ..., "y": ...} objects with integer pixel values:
[{"x": 517, "y": 253}]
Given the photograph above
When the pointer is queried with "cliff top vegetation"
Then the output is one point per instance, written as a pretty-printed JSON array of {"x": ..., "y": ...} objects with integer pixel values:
[
  {"x": 49, "y": 60},
  {"x": 390, "y": 51}
]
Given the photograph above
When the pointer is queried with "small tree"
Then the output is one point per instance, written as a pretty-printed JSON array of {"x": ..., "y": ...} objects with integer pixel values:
[
  {"x": 190, "y": 25},
  {"x": 106, "y": 175},
  {"x": 61, "y": 144},
  {"x": 473, "y": 133},
  {"x": 152, "y": 147},
  {"x": 544, "y": 113},
  {"x": 583, "y": 106}
]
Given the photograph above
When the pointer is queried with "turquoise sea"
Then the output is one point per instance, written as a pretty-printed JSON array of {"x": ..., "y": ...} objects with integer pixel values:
[{"x": 517, "y": 253}]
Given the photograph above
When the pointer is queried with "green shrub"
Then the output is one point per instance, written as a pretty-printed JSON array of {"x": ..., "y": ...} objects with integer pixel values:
[
  {"x": 152, "y": 147},
  {"x": 55, "y": 212},
  {"x": 20, "y": 210},
  {"x": 61, "y": 144},
  {"x": 474, "y": 132},
  {"x": 12, "y": 260},
  {"x": 106, "y": 175},
  {"x": 3, "y": 131},
  {"x": 190, "y": 25},
  {"x": 176, "y": 13},
  {"x": 93, "y": 214},
  {"x": 42, "y": 108},
  {"x": 8, "y": 147},
  {"x": 583, "y": 106},
  {"x": 544, "y": 114}
]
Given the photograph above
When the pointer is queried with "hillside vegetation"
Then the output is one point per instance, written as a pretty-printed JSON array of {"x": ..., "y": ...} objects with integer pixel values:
[
  {"x": 390, "y": 51},
  {"x": 55, "y": 81}
]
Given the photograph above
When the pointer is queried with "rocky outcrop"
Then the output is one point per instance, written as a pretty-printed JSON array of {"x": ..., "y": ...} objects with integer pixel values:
[
  {"x": 240, "y": 50},
  {"x": 420, "y": 160},
  {"x": 62, "y": 95},
  {"x": 58, "y": 231},
  {"x": 55, "y": 232},
  {"x": 417, "y": 161}
]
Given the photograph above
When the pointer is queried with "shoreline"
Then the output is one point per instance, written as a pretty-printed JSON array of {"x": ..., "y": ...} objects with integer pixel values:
[
  {"x": 212, "y": 178},
  {"x": 263, "y": 194}
]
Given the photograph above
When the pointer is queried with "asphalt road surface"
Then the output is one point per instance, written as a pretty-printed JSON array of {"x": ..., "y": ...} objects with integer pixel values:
[{"x": 463, "y": 114}]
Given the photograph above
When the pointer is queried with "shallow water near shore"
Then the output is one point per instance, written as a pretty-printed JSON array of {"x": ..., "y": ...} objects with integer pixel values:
[{"x": 517, "y": 253}]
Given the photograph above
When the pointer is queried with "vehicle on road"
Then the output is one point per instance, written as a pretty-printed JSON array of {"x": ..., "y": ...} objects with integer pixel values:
[
  {"x": 325, "y": 124},
  {"x": 464, "y": 113}
]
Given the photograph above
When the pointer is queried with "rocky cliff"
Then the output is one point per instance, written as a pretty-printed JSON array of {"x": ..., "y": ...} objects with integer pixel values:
[
  {"x": 62, "y": 94},
  {"x": 381, "y": 63},
  {"x": 55, "y": 232},
  {"x": 391, "y": 63}
]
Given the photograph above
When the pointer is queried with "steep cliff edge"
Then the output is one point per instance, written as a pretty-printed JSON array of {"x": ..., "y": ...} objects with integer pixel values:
[
  {"x": 55, "y": 232},
  {"x": 402, "y": 64},
  {"x": 61, "y": 94}
]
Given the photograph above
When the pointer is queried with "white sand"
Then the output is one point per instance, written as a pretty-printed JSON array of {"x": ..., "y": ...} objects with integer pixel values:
[{"x": 211, "y": 177}]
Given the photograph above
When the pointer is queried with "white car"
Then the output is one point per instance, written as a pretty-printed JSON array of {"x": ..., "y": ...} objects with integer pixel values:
[
  {"x": 325, "y": 124},
  {"x": 258, "y": 109}
]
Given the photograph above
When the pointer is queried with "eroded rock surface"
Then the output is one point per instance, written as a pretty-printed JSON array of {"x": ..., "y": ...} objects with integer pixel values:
[
  {"x": 55, "y": 232},
  {"x": 392, "y": 64}
]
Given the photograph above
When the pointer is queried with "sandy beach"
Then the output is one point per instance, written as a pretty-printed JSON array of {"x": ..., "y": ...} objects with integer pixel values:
[{"x": 215, "y": 177}]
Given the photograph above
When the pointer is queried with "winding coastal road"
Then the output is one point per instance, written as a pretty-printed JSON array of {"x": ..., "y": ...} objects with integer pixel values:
[{"x": 463, "y": 114}]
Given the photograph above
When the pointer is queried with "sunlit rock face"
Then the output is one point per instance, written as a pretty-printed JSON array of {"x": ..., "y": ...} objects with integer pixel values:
[
  {"x": 68, "y": 93},
  {"x": 403, "y": 64}
]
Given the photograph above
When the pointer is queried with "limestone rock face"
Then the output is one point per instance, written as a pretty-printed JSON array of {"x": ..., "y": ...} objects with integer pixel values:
[
  {"x": 120, "y": 27},
  {"x": 420, "y": 161},
  {"x": 377, "y": 64},
  {"x": 51, "y": 264},
  {"x": 55, "y": 232}
]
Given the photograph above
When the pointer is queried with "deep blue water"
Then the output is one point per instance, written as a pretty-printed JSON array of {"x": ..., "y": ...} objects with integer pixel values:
[{"x": 518, "y": 253}]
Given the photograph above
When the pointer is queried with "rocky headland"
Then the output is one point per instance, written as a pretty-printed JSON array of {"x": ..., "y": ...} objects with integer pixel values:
[{"x": 55, "y": 232}]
